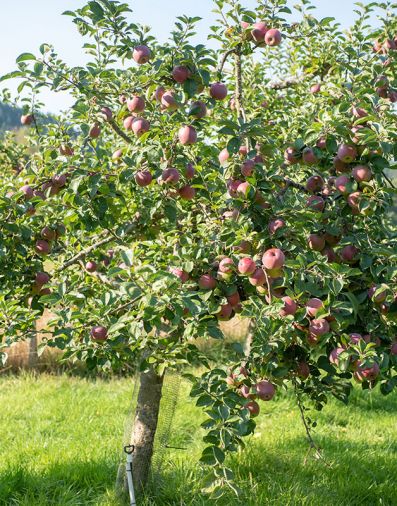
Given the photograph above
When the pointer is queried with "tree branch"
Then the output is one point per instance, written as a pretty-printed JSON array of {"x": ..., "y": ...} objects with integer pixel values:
[
  {"x": 389, "y": 180},
  {"x": 223, "y": 60},
  {"x": 119, "y": 132},
  {"x": 84, "y": 252}
]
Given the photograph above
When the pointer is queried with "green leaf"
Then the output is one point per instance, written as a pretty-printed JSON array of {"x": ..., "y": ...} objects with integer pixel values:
[{"x": 25, "y": 57}]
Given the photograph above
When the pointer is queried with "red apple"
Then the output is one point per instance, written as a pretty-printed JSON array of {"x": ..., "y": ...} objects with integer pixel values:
[
  {"x": 42, "y": 247},
  {"x": 253, "y": 408},
  {"x": 95, "y": 131},
  {"x": 170, "y": 175},
  {"x": 91, "y": 266},
  {"x": 141, "y": 54},
  {"x": 349, "y": 253},
  {"x": 246, "y": 266},
  {"x": 273, "y": 258},
  {"x": 143, "y": 178},
  {"x": 140, "y": 126},
  {"x": 198, "y": 109},
  {"x": 225, "y": 312},
  {"x": 315, "y": 184},
  {"x": 313, "y": 305},
  {"x": 258, "y": 278},
  {"x": 315, "y": 88},
  {"x": 290, "y": 307},
  {"x": 187, "y": 135},
  {"x": 362, "y": 173},
  {"x": 309, "y": 157},
  {"x": 341, "y": 184},
  {"x": 179, "y": 273},
  {"x": 99, "y": 333},
  {"x": 291, "y": 156},
  {"x": 187, "y": 192},
  {"x": 207, "y": 282},
  {"x": 273, "y": 37},
  {"x": 319, "y": 327},
  {"x": 334, "y": 355},
  {"x": 316, "y": 242},
  {"x": 136, "y": 104},
  {"x": 347, "y": 153},
  {"x": 27, "y": 119},
  {"x": 275, "y": 225},
  {"x": 180, "y": 73},
  {"x": 223, "y": 156},
  {"x": 42, "y": 278},
  {"x": 316, "y": 203},
  {"x": 218, "y": 91},
  {"x": 265, "y": 390},
  {"x": 247, "y": 168},
  {"x": 168, "y": 101},
  {"x": 226, "y": 265}
]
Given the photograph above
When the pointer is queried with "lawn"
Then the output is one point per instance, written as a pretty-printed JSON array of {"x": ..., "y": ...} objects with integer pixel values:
[{"x": 61, "y": 438}]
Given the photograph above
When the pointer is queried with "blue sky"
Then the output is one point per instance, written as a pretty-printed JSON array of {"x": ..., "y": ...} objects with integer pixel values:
[{"x": 28, "y": 23}]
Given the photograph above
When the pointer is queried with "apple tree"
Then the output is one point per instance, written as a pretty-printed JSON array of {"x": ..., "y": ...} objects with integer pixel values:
[{"x": 188, "y": 183}]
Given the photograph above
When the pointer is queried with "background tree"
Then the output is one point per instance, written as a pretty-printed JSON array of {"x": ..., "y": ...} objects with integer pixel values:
[{"x": 187, "y": 184}]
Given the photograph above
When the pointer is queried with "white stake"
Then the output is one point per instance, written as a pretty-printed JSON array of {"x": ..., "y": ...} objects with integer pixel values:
[{"x": 129, "y": 450}]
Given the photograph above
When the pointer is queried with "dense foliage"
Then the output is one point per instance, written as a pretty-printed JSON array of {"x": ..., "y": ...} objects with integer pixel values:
[{"x": 187, "y": 184}]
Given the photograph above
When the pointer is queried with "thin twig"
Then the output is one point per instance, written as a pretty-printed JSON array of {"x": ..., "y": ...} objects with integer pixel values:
[
  {"x": 223, "y": 60},
  {"x": 119, "y": 132},
  {"x": 389, "y": 180}
]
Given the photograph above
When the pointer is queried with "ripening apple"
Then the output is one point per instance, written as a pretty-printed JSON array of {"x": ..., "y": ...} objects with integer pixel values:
[
  {"x": 258, "y": 32},
  {"x": 189, "y": 171},
  {"x": 106, "y": 113},
  {"x": 393, "y": 349},
  {"x": 143, "y": 178},
  {"x": 340, "y": 166},
  {"x": 315, "y": 88},
  {"x": 187, "y": 192},
  {"x": 27, "y": 119},
  {"x": 141, "y": 54},
  {"x": 117, "y": 155},
  {"x": 273, "y": 258},
  {"x": 218, "y": 91},
  {"x": 136, "y": 104},
  {"x": 158, "y": 94},
  {"x": 309, "y": 157},
  {"x": 329, "y": 252},
  {"x": 276, "y": 224},
  {"x": 226, "y": 265},
  {"x": 247, "y": 168},
  {"x": 313, "y": 306},
  {"x": 207, "y": 282},
  {"x": 91, "y": 266},
  {"x": 187, "y": 135},
  {"x": 273, "y": 37},
  {"x": 180, "y": 273},
  {"x": 66, "y": 150},
  {"x": 265, "y": 390},
  {"x": 334, "y": 355},
  {"x": 180, "y": 73},
  {"x": 127, "y": 122},
  {"x": 303, "y": 370},
  {"x": 316, "y": 242},
  {"x": 353, "y": 201},
  {"x": 223, "y": 156},
  {"x": 341, "y": 184},
  {"x": 42, "y": 247},
  {"x": 319, "y": 327},
  {"x": 381, "y": 297},
  {"x": 347, "y": 153},
  {"x": 41, "y": 278},
  {"x": 253, "y": 408},
  {"x": 258, "y": 278},
  {"x": 169, "y": 102},
  {"x": 140, "y": 126},
  {"x": 367, "y": 373},
  {"x": 225, "y": 312},
  {"x": 349, "y": 253},
  {"x": 291, "y": 156},
  {"x": 27, "y": 191},
  {"x": 99, "y": 333},
  {"x": 290, "y": 307},
  {"x": 198, "y": 109},
  {"x": 243, "y": 189},
  {"x": 315, "y": 184},
  {"x": 170, "y": 175},
  {"x": 95, "y": 131},
  {"x": 233, "y": 299},
  {"x": 48, "y": 233},
  {"x": 362, "y": 173},
  {"x": 359, "y": 112},
  {"x": 246, "y": 392},
  {"x": 243, "y": 150},
  {"x": 246, "y": 266},
  {"x": 315, "y": 203}
]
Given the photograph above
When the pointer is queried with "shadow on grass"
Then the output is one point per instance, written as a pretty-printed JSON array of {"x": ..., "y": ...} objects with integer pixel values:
[{"x": 64, "y": 484}]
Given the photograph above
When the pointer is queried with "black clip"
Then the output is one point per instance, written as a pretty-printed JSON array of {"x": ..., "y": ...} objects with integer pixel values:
[{"x": 129, "y": 449}]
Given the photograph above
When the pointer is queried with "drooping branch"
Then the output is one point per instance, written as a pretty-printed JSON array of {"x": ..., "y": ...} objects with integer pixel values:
[
  {"x": 84, "y": 252},
  {"x": 389, "y": 180},
  {"x": 223, "y": 61},
  {"x": 119, "y": 132}
]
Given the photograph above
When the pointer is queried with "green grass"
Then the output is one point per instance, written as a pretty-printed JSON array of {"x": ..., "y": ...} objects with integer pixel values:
[{"x": 61, "y": 438}]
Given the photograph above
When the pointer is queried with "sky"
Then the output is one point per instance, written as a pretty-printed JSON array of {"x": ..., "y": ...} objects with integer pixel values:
[{"x": 29, "y": 23}]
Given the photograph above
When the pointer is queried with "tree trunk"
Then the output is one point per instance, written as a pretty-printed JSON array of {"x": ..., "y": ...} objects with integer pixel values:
[
  {"x": 145, "y": 425},
  {"x": 33, "y": 357}
]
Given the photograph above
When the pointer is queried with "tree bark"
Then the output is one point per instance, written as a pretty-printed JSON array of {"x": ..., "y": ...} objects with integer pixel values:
[{"x": 145, "y": 425}]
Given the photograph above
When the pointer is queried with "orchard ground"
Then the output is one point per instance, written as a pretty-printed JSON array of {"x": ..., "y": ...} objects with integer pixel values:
[{"x": 61, "y": 442}]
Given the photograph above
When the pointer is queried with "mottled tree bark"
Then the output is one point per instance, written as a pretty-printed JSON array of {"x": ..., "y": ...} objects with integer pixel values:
[{"x": 145, "y": 425}]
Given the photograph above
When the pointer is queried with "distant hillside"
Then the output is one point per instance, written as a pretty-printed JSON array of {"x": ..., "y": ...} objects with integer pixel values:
[{"x": 10, "y": 117}]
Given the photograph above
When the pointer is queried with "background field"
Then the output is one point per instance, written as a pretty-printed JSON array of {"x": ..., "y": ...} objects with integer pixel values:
[{"x": 61, "y": 441}]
